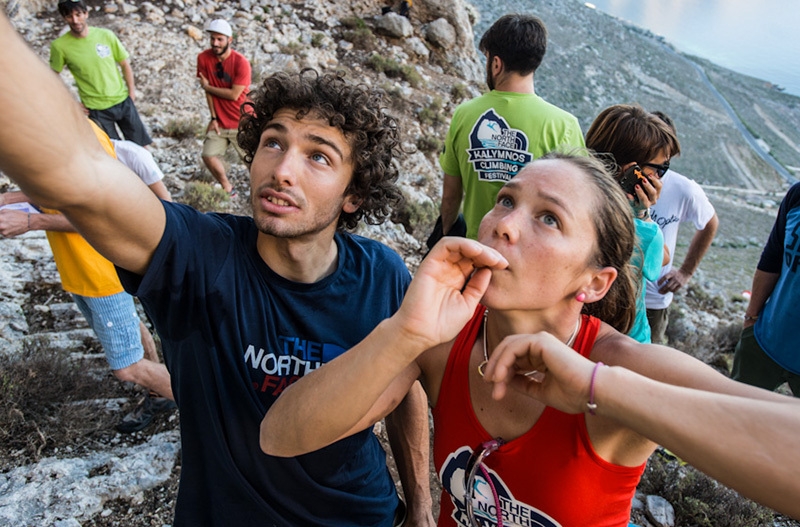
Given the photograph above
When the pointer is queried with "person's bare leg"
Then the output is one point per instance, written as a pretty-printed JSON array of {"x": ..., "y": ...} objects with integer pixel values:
[
  {"x": 217, "y": 169},
  {"x": 148, "y": 372}
]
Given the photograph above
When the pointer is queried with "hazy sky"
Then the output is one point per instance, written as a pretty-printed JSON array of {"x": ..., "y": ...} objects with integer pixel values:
[{"x": 756, "y": 37}]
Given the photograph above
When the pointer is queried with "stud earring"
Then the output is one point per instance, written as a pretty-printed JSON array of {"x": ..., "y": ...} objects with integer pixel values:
[{"x": 580, "y": 297}]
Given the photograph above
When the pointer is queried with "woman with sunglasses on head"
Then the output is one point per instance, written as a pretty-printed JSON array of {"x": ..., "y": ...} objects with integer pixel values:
[
  {"x": 639, "y": 145},
  {"x": 552, "y": 256}
]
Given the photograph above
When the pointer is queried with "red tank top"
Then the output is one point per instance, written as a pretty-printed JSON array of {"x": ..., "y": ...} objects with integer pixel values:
[{"x": 550, "y": 476}]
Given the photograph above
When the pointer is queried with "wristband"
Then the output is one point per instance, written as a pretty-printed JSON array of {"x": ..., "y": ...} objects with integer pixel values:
[
  {"x": 214, "y": 119},
  {"x": 29, "y": 221},
  {"x": 591, "y": 405},
  {"x": 645, "y": 215},
  {"x": 750, "y": 317}
]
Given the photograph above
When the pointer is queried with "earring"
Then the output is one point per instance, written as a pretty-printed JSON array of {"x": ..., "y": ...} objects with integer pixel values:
[{"x": 580, "y": 297}]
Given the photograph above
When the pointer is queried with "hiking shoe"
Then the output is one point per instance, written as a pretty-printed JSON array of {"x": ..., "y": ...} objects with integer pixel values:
[
  {"x": 141, "y": 416},
  {"x": 668, "y": 455}
]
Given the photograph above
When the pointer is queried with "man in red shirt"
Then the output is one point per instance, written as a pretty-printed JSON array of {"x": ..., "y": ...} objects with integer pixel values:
[{"x": 225, "y": 77}]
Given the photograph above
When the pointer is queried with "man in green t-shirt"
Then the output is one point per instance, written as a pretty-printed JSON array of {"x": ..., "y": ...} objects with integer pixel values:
[
  {"x": 493, "y": 136},
  {"x": 92, "y": 55}
]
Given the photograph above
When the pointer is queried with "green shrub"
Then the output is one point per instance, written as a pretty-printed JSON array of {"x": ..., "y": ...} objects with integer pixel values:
[
  {"x": 361, "y": 38},
  {"x": 317, "y": 38},
  {"x": 393, "y": 69},
  {"x": 353, "y": 22},
  {"x": 183, "y": 128},
  {"x": 459, "y": 92},
  {"x": 429, "y": 143},
  {"x": 432, "y": 114},
  {"x": 416, "y": 218},
  {"x": 292, "y": 48},
  {"x": 203, "y": 196}
]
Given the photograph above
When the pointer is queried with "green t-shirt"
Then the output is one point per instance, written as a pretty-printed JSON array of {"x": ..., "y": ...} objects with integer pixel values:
[
  {"x": 493, "y": 136},
  {"x": 93, "y": 63}
]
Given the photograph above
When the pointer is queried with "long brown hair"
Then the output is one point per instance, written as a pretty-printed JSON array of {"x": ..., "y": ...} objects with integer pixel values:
[
  {"x": 616, "y": 235},
  {"x": 629, "y": 134}
]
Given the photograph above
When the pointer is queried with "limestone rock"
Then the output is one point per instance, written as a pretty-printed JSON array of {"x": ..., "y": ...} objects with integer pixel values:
[
  {"x": 394, "y": 25},
  {"x": 441, "y": 33}
]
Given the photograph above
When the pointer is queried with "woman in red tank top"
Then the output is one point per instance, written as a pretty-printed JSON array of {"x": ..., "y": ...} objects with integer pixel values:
[{"x": 552, "y": 257}]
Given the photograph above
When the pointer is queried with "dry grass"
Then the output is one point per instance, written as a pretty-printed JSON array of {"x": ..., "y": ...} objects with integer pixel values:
[{"x": 42, "y": 404}]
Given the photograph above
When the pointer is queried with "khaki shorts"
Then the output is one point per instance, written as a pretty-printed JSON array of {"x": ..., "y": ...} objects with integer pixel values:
[{"x": 215, "y": 145}]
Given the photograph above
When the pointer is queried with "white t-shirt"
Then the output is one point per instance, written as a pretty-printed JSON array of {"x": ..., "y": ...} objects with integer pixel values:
[
  {"x": 139, "y": 160},
  {"x": 681, "y": 200}
]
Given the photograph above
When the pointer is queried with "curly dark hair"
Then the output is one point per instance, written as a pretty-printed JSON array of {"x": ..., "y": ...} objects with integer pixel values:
[{"x": 357, "y": 111}]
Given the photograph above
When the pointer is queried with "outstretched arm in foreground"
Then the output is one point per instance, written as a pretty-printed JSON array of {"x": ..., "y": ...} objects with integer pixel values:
[
  {"x": 750, "y": 445},
  {"x": 362, "y": 385},
  {"x": 48, "y": 148}
]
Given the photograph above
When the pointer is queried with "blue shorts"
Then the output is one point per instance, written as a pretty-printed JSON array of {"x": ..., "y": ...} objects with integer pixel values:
[{"x": 116, "y": 323}]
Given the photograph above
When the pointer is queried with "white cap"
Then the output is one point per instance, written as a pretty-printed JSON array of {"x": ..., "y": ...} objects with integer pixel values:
[{"x": 220, "y": 26}]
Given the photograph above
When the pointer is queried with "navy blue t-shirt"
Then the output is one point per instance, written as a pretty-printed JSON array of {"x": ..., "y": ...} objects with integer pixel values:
[{"x": 235, "y": 335}]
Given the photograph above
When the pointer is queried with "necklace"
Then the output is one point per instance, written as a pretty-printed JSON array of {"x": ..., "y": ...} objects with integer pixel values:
[{"x": 482, "y": 365}]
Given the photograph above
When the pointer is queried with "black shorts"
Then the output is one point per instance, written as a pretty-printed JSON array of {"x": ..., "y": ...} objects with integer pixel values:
[{"x": 127, "y": 118}]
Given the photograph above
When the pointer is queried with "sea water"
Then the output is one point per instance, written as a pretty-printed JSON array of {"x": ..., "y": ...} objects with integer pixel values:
[{"x": 758, "y": 38}]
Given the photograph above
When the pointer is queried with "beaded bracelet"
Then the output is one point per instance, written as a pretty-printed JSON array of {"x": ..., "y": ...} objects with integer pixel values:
[{"x": 591, "y": 405}]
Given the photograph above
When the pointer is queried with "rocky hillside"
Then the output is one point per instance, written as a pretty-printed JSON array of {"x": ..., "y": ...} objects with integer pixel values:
[{"x": 427, "y": 65}]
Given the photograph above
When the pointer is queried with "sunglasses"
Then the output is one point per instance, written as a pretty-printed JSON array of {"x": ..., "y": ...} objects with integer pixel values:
[
  {"x": 475, "y": 464},
  {"x": 223, "y": 75},
  {"x": 660, "y": 169}
]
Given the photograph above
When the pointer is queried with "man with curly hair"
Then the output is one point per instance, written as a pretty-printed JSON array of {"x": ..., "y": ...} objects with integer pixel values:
[{"x": 244, "y": 306}]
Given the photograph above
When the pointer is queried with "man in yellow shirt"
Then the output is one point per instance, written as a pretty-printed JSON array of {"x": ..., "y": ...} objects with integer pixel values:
[{"x": 110, "y": 311}]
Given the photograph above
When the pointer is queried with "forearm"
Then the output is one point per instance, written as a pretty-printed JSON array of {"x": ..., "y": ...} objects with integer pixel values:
[
  {"x": 760, "y": 291},
  {"x": 127, "y": 74},
  {"x": 408, "y": 430},
  {"x": 159, "y": 189},
  {"x": 747, "y": 444},
  {"x": 699, "y": 245},
  {"x": 337, "y": 399},
  {"x": 670, "y": 366},
  {"x": 15, "y": 196},
  {"x": 452, "y": 192},
  {"x": 210, "y": 102},
  {"x": 230, "y": 94},
  {"x": 50, "y": 222}
]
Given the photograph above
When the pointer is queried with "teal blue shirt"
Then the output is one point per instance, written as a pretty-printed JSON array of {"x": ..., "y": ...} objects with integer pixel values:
[{"x": 647, "y": 257}]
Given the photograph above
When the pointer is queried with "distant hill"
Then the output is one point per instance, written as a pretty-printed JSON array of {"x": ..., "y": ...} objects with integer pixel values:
[{"x": 595, "y": 60}]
